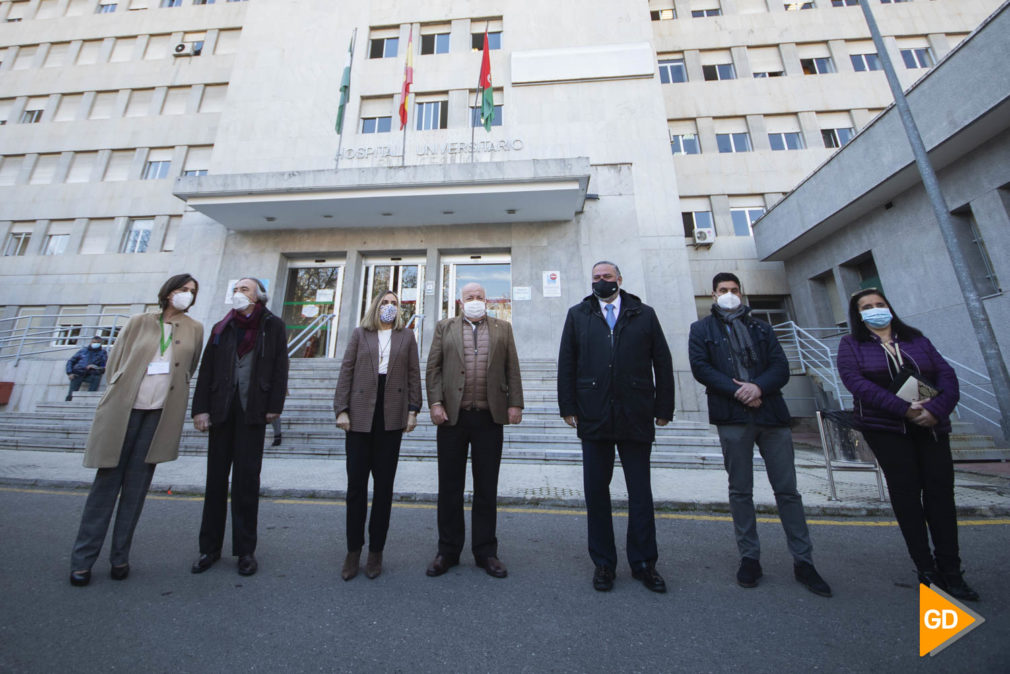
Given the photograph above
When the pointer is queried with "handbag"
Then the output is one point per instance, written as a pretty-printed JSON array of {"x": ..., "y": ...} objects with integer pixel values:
[{"x": 912, "y": 387}]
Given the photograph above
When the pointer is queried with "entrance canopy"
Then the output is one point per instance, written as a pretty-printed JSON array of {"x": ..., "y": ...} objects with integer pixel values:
[{"x": 436, "y": 194}]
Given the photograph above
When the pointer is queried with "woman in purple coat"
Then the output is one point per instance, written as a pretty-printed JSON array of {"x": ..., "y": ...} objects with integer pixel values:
[{"x": 910, "y": 440}]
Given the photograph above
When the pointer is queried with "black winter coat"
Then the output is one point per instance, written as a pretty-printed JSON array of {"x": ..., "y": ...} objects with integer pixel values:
[
  {"x": 712, "y": 365},
  {"x": 608, "y": 382},
  {"x": 268, "y": 384}
]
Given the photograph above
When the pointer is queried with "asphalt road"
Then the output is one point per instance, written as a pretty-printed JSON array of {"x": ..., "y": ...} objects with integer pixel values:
[{"x": 297, "y": 615}]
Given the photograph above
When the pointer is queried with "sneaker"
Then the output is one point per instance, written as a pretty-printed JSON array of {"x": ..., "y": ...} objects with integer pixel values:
[
  {"x": 749, "y": 572},
  {"x": 953, "y": 583},
  {"x": 807, "y": 575}
]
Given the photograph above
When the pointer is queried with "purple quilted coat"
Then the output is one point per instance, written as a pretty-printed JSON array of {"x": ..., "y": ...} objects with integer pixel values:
[{"x": 863, "y": 367}]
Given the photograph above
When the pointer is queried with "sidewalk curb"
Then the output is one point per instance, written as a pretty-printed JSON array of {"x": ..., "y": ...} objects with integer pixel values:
[{"x": 662, "y": 506}]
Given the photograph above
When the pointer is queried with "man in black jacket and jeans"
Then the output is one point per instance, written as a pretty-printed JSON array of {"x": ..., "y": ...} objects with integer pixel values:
[
  {"x": 611, "y": 345},
  {"x": 242, "y": 384},
  {"x": 743, "y": 368}
]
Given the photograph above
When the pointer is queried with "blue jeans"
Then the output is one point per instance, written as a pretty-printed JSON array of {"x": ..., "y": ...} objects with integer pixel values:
[{"x": 92, "y": 380}]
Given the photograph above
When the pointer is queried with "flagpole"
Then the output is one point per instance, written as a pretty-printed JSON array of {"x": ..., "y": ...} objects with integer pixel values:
[
  {"x": 473, "y": 127},
  {"x": 407, "y": 66},
  {"x": 403, "y": 148},
  {"x": 340, "y": 142}
]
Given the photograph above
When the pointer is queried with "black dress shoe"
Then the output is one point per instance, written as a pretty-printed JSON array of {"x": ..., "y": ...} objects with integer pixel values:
[
  {"x": 807, "y": 575},
  {"x": 80, "y": 578},
  {"x": 650, "y": 578},
  {"x": 276, "y": 442},
  {"x": 247, "y": 565},
  {"x": 953, "y": 583},
  {"x": 603, "y": 579},
  {"x": 440, "y": 565},
  {"x": 119, "y": 572},
  {"x": 493, "y": 566},
  {"x": 749, "y": 572},
  {"x": 205, "y": 561}
]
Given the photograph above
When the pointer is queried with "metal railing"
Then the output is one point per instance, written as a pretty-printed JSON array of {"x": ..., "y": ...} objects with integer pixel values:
[
  {"x": 816, "y": 356},
  {"x": 23, "y": 336},
  {"x": 302, "y": 338}
]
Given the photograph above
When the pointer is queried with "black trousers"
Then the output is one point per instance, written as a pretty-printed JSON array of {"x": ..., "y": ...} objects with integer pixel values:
[
  {"x": 477, "y": 431},
  {"x": 597, "y": 472},
  {"x": 235, "y": 447},
  {"x": 129, "y": 482},
  {"x": 375, "y": 453},
  {"x": 920, "y": 479}
]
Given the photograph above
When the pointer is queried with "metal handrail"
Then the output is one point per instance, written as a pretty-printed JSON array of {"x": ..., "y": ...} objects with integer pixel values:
[
  {"x": 18, "y": 341},
  {"x": 299, "y": 340}
]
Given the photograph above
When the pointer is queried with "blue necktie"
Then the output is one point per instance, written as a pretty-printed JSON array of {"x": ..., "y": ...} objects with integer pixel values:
[{"x": 611, "y": 319}]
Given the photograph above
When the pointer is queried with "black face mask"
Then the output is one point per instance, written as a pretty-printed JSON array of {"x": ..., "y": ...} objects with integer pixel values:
[{"x": 604, "y": 289}]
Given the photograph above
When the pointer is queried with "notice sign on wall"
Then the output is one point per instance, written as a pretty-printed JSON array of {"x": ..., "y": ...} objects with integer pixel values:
[
  {"x": 521, "y": 293},
  {"x": 552, "y": 284}
]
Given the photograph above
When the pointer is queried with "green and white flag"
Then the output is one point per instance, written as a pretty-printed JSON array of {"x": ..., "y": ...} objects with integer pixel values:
[{"x": 345, "y": 87}]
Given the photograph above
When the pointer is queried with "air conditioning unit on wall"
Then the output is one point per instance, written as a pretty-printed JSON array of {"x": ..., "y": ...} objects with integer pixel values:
[
  {"x": 704, "y": 236},
  {"x": 184, "y": 49}
]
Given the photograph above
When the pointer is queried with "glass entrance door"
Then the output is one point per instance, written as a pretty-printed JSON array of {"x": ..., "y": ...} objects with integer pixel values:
[
  {"x": 404, "y": 276},
  {"x": 494, "y": 272},
  {"x": 313, "y": 291}
]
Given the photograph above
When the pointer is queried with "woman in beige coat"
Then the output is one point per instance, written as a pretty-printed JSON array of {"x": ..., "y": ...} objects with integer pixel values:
[
  {"x": 138, "y": 422},
  {"x": 377, "y": 399}
]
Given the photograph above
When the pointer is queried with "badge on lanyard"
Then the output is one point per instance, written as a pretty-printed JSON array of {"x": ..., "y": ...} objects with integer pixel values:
[{"x": 161, "y": 366}]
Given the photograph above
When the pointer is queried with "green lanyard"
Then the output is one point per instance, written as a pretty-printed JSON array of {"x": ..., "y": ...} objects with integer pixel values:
[{"x": 165, "y": 343}]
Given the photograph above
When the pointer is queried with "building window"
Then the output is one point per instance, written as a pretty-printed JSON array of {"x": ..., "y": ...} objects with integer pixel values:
[
  {"x": 672, "y": 70},
  {"x": 892, "y": 2},
  {"x": 663, "y": 14},
  {"x": 496, "y": 118},
  {"x": 795, "y": 6},
  {"x": 744, "y": 219},
  {"x": 817, "y": 66},
  {"x": 56, "y": 244},
  {"x": 786, "y": 140},
  {"x": 31, "y": 117},
  {"x": 432, "y": 115},
  {"x": 493, "y": 41},
  {"x": 171, "y": 3},
  {"x": 771, "y": 309},
  {"x": 376, "y": 124},
  {"x": 436, "y": 44},
  {"x": 696, "y": 220},
  {"x": 772, "y": 73},
  {"x": 836, "y": 137},
  {"x": 203, "y": 2},
  {"x": 194, "y": 173},
  {"x": 918, "y": 58},
  {"x": 685, "y": 143},
  {"x": 106, "y": 9},
  {"x": 844, "y": 3},
  {"x": 138, "y": 236},
  {"x": 383, "y": 48},
  {"x": 17, "y": 243},
  {"x": 156, "y": 170},
  {"x": 721, "y": 71},
  {"x": 733, "y": 142},
  {"x": 68, "y": 330},
  {"x": 197, "y": 46},
  {"x": 701, "y": 13},
  {"x": 865, "y": 62}
]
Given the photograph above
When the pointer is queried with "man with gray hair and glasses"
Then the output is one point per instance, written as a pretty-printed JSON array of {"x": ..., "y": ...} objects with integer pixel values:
[{"x": 611, "y": 347}]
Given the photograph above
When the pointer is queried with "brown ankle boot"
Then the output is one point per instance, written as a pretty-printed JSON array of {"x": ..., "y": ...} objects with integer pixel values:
[
  {"x": 351, "y": 562},
  {"x": 373, "y": 567}
]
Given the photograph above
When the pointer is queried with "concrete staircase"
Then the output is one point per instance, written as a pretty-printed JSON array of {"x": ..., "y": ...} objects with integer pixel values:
[{"x": 309, "y": 429}]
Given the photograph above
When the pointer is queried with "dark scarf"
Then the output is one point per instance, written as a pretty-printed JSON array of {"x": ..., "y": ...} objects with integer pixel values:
[
  {"x": 739, "y": 339},
  {"x": 248, "y": 325}
]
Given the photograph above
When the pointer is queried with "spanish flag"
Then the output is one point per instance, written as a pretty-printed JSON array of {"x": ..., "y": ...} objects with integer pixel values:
[{"x": 408, "y": 79}]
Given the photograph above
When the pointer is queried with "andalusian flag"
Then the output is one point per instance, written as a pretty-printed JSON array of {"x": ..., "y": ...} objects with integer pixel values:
[
  {"x": 345, "y": 87},
  {"x": 408, "y": 79},
  {"x": 484, "y": 91}
]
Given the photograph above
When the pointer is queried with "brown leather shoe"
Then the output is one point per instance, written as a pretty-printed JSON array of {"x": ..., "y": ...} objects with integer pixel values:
[
  {"x": 373, "y": 567},
  {"x": 351, "y": 563},
  {"x": 440, "y": 565},
  {"x": 493, "y": 566}
]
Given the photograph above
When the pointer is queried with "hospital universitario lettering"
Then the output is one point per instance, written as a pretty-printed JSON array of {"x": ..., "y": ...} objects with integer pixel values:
[{"x": 436, "y": 149}]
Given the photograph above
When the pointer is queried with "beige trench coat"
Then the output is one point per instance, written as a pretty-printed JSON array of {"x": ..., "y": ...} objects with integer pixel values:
[{"x": 135, "y": 347}]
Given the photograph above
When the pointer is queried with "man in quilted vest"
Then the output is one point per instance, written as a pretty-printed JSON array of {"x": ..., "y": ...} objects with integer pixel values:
[{"x": 474, "y": 389}]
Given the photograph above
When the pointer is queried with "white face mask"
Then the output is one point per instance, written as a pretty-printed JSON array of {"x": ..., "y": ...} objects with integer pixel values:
[
  {"x": 182, "y": 301},
  {"x": 240, "y": 301},
  {"x": 728, "y": 301},
  {"x": 474, "y": 309}
]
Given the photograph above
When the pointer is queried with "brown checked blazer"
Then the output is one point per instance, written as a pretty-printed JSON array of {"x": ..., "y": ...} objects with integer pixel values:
[
  {"x": 446, "y": 372},
  {"x": 358, "y": 384}
]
